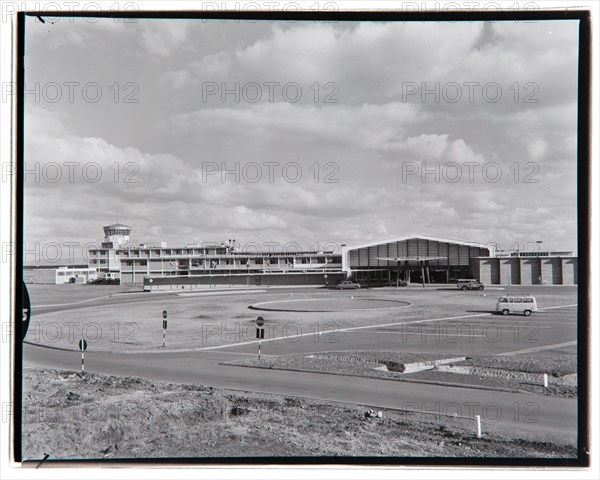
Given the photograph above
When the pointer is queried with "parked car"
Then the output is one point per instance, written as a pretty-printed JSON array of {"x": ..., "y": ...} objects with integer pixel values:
[
  {"x": 347, "y": 284},
  {"x": 392, "y": 283},
  {"x": 525, "y": 304},
  {"x": 469, "y": 284}
]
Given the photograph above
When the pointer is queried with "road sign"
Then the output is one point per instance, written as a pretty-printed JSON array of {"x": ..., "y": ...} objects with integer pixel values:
[
  {"x": 165, "y": 324},
  {"x": 260, "y": 321},
  {"x": 164, "y": 314},
  {"x": 260, "y": 333}
]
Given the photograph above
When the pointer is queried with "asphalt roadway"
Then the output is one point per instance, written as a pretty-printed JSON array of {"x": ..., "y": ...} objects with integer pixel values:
[{"x": 532, "y": 416}]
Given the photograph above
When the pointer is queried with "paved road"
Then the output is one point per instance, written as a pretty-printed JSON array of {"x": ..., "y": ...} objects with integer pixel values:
[{"x": 534, "y": 416}]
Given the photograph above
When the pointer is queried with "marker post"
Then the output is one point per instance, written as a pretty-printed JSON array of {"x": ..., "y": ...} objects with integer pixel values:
[
  {"x": 164, "y": 315},
  {"x": 83, "y": 348},
  {"x": 260, "y": 332}
]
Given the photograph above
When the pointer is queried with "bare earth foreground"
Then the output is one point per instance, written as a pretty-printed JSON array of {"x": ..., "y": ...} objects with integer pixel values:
[{"x": 100, "y": 416}]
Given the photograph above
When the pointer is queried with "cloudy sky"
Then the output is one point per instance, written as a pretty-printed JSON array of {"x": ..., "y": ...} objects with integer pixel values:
[{"x": 331, "y": 132}]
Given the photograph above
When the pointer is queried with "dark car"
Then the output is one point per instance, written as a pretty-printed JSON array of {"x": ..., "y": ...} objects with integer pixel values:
[
  {"x": 106, "y": 281},
  {"x": 347, "y": 284},
  {"x": 469, "y": 284}
]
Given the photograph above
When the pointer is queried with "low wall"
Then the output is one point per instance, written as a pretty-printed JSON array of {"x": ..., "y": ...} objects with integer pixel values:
[{"x": 240, "y": 280}]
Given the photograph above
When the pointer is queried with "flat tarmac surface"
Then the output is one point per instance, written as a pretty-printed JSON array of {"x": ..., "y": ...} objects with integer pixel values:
[{"x": 456, "y": 324}]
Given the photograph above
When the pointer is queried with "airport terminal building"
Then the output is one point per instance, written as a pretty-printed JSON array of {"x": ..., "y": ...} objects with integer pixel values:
[
  {"x": 193, "y": 265},
  {"x": 409, "y": 258},
  {"x": 442, "y": 260},
  {"x": 414, "y": 258}
]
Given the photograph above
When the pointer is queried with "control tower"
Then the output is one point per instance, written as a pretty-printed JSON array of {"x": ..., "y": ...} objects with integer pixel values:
[{"x": 116, "y": 235}]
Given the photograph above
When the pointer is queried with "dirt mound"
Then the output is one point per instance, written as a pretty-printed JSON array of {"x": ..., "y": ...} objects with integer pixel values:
[{"x": 104, "y": 417}]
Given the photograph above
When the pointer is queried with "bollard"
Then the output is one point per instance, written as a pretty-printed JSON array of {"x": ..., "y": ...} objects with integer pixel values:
[
  {"x": 478, "y": 423},
  {"x": 545, "y": 380}
]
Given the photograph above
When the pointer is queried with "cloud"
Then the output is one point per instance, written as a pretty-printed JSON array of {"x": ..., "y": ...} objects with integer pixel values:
[
  {"x": 362, "y": 141},
  {"x": 175, "y": 79},
  {"x": 368, "y": 126},
  {"x": 537, "y": 148},
  {"x": 315, "y": 54},
  {"x": 380, "y": 229},
  {"x": 161, "y": 38}
]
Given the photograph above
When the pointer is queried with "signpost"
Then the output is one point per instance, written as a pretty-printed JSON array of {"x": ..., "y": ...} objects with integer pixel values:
[
  {"x": 260, "y": 332},
  {"x": 83, "y": 348},
  {"x": 164, "y": 315}
]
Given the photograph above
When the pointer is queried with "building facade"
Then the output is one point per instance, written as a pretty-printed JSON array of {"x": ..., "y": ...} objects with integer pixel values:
[
  {"x": 410, "y": 258},
  {"x": 414, "y": 258},
  {"x": 75, "y": 275},
  {"x": 215, "y": 264},
  {"x": 547, "y": 268}
]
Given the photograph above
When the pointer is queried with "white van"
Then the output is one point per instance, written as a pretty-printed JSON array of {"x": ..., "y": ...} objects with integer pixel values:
[{"x": 524, "y": 304}]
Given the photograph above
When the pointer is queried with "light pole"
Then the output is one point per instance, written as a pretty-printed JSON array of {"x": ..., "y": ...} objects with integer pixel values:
[
  {"x": 171, "y": 274},
  {"x": 539, "y": 245}
]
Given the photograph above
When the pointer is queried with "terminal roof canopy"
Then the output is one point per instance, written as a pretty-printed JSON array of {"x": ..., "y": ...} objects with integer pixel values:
[{"x": 414, "y": 236}]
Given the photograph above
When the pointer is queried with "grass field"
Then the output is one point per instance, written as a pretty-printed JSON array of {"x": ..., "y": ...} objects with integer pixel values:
[{"x": 518, "y": 373}]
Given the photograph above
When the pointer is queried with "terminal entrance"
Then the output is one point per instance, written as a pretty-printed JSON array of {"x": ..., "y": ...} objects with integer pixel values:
[
  {"x": 435, "y": 275},
  {"x": 411, "y": 274}
]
